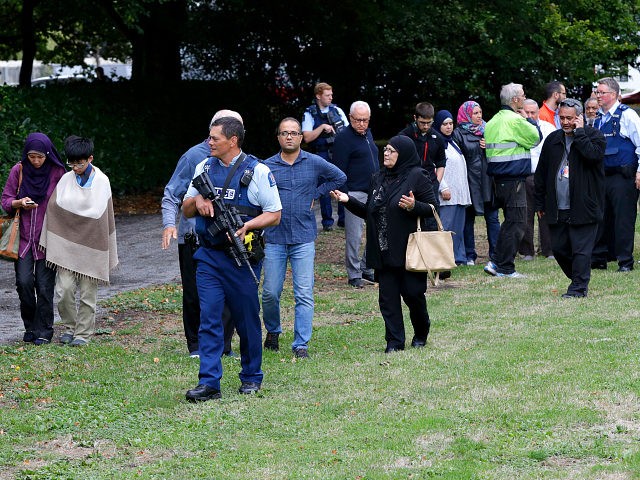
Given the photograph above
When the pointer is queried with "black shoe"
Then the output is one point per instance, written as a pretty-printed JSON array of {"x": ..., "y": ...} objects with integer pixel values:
[
  {"x": 41, "y": 341},
  {"x": 247, "y": 388},
  {"x": 444, "y": 275},
  {"x": 271, "y": 342},
  {"x": 356, "y": 283},
  {"x": 202, "y": 393},
  {"x": 327, "y": 228},
  {"x": 29, "y": 337},
  {"x": 598, "y": 265},
  {"x": 301, "y": 352},
  {"x": 625, "y": 269},
  {"x": 418, "y": 343},
  {"x": 340, "y": 224},
  {"x": 230, "y": 354},
  {"x": 574, "y": 295},
  {"x": 393, "y": 349},
  {"x": 368, "y": 277}
]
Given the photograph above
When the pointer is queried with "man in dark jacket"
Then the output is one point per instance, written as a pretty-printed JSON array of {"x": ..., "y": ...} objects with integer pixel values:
[
  {"x": 569, "y": 183},
  {"x": 356, "y": 154},
  {"x": 429, "y": 144}
]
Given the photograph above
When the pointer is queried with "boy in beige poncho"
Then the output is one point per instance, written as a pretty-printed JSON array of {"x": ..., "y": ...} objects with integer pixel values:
[{"x": 80, "y": 237}]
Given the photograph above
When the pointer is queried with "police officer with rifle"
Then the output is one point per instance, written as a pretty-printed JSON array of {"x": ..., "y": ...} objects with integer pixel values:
[{"x": 226, "y": 271}]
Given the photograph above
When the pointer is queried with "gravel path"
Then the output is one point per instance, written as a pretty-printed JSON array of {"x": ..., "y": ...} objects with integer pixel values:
[{"x": 142, "y": 263}]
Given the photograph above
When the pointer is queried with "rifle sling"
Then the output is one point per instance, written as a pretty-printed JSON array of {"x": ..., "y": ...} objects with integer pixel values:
[{"x": 231, "y": 173}]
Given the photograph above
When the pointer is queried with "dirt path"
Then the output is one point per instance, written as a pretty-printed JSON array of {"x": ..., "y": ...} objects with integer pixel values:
[{"x": 142, "y": 263}]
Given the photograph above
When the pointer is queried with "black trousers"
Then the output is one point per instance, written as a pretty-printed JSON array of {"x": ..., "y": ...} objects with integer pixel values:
[
  {"x": 572, "y": 246},
  {"x": 191, "y": 302},
  {"x": 35, "y": 283},
  {"x": 616, "y": 232},
  {"x": 511, "y": 196},
  {"x": 396, "y": 283},
  {"x": 527, "y": 245}
]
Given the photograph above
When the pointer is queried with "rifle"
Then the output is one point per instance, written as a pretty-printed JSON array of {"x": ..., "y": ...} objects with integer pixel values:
[{"x": 226, "y": 219}]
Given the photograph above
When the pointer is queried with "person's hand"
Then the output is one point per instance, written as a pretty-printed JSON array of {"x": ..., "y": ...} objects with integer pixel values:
[
  {"x": 483, "y": 143},
  {"x": 638, "y": 180},
  {"x": 241, "y": 232},
  {"x": 326, "y": 128},
  {"x": 167, "y": 234},
  {"x": 339, "y": 196},
  {"x": 579, "y": 122},
  {"x": 204, "y": 206},
  {"x": 446, "y": 194},
  {"x": 540, "y": 214},
  {"x": 27, "y": 204},
  {"x": 407, "y": 202}
]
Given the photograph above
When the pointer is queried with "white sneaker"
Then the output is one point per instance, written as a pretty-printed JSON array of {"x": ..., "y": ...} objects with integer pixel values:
[
  {"x": 470, "y": 263},
  {"x": 510, "y": 275},
  {"x": 490, "y": 269}
]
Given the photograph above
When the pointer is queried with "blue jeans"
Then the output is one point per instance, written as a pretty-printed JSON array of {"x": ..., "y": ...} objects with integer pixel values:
[
  {"x": 453, "y": 219},
  {"x": 301, "y": 256}
]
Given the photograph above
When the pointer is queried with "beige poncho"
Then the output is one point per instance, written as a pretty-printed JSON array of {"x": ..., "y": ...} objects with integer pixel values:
[{"x": 79, "y": 231}]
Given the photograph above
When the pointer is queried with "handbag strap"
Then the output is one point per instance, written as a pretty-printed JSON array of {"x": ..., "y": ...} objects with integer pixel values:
[
  {"x": 436, "y": 216},
  {"x": 17, "y": 215}
]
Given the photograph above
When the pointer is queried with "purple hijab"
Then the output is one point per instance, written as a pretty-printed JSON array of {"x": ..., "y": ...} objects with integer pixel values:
[{"x": 35, "y": 181}]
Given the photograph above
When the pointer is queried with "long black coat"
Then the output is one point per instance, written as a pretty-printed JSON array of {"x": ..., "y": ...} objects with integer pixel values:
[
  {"x": 400, "y": 222},
  {"x": 476, "y": 158},
  {"x": 586, "y": 176}
]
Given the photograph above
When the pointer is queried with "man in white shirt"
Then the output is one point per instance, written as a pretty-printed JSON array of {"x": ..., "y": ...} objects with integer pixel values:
[{"x": 621, "y": 127}]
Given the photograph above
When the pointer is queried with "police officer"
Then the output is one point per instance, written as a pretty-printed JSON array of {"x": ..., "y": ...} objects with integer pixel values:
[
  {"x": 621, "y": 128},
  {"x": 321, "y": 122},
  {"x": 251, "y": 188}
]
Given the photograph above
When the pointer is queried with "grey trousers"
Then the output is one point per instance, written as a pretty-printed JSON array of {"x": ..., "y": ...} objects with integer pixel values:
[{"x": 353, "y": 227}]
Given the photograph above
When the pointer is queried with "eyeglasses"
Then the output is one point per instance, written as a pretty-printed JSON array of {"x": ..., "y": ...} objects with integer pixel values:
[
  {"x": 425, "y": 123},
  {"x": 389, "y": 150},
  {"x": 286, "y": 134},
  {"x": 599, "y": 93},
  {"x": 76, "y": 164},
  {"x": 359, "y": 120}
]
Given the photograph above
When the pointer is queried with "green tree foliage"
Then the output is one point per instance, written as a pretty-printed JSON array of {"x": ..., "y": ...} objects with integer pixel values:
[{"x": 394, "y": 53}]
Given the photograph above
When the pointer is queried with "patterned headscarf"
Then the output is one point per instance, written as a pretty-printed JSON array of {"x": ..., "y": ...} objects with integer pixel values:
[{"x": 464, "y": 118}]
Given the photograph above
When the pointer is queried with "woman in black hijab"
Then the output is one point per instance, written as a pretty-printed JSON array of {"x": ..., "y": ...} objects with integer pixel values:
[{"x": 398, "y": 194}]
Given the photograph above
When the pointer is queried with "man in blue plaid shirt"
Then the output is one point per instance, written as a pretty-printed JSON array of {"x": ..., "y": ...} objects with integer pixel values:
[{"x": 301, "y": 177}]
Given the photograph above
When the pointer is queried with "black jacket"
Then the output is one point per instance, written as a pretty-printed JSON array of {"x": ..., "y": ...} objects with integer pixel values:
[
  {"x": 430, "y": 148},
  {"x": 476, "y": 158},
  {"x": 400, "y": 222},
  {"x": 586, "y": 176}
]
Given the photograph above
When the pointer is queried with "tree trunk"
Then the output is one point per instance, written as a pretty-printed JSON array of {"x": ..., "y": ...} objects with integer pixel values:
[
  {"x": 156, "y": 53},
  {"x": 28, "y": 33}
]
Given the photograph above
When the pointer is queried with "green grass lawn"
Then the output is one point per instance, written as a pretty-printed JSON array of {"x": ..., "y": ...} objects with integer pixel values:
[{"x": 515, "y": 383}]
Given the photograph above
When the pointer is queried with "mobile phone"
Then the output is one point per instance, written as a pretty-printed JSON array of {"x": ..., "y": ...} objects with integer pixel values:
[{"x": 29, "y": 202}]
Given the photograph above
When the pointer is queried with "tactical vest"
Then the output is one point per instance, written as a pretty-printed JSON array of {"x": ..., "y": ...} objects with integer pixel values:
[
  {"x": 619, "y": 151},
  {"x": 332, "y": 117},
  {"x": 237, "y": 194}
]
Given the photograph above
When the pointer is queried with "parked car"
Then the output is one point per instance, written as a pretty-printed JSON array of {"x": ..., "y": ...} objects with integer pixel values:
[{"x": 59, "y": 79}]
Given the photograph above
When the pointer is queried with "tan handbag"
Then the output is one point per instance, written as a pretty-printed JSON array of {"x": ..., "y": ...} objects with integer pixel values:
[
  {"x": 10, "y": 233},
  {"x": 430, "y": 252}
]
